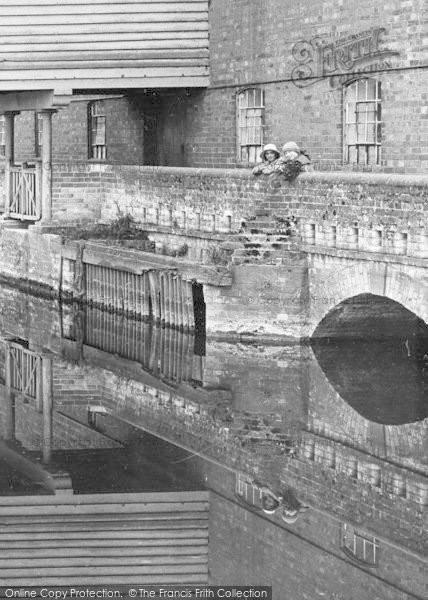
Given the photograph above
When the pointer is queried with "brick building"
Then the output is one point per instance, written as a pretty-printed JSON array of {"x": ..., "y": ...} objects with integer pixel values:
[{"x": 347, "y": 82}]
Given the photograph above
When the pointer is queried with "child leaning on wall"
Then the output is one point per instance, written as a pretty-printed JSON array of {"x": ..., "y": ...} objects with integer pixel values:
[
  {"x": 292, "y": 153},
  {"x": 271, "y": 161}
]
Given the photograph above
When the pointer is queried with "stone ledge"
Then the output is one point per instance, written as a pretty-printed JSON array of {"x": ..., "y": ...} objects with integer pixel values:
[
  {"x": 136, "y": 261},
  {"x": 365, "y": 255},
  {"x": 335, "y": 177}
]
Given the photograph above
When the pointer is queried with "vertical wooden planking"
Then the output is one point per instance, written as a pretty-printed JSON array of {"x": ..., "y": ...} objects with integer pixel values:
[
  {"x": 170, "y": 370},
  {"x": 170, "y": 362},
  {"x": 189, "y": 294},
  {"x": 184, "y": 285},
  {"x": 132, "y": 294},
  {"x": 145, "y": 306},
  {"x": 116, "y": 292},
  {"x": 147, "y": 329},
  {"x": 184, "y": 354},
  {"x": 177, "y": 349},
  {"x": 88, "y": 282},
  {"x": 154, "y": 292},
  {"x": 139, "y": 295},
  {"x": 162, "y": 297},
  {"x": 163, "y": 350},
  {"x": 154, "y": 351},
  {"x": 181, "y": 301},
  {"x": 102, "y": 275},
  {"x": 96, "y": 284},
  {"x": 167, "y": 292},
  {"x": 128, "y": 293},
  {"x": 173, "y": 301}
]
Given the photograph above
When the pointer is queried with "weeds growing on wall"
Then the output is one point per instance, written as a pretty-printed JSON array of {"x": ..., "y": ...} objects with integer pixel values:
[{"x": 122, "y": 228}]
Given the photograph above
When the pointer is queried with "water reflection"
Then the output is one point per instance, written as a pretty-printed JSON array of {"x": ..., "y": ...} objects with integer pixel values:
[
  {"x": 90, "y": 402},
  {"x": 166, "y": 352},
  {"x": 384, "y": 381},
  {"x": 374, "y": 353}
]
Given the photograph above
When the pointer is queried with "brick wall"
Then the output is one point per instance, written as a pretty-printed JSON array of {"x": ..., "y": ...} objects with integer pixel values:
[
  {"x": 124, "y": 132},
  {"x": 250, "y": 44},
  {"x": 221, "y": 200}
]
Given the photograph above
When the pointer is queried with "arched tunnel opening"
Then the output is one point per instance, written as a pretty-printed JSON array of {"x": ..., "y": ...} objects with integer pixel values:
[{"x": 374, "y": 352}]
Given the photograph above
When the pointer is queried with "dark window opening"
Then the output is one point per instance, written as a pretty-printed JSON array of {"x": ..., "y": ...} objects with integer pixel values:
[
  {"x": 97, "y": 130},
  {"x": 199, "y": 310},
  {"x": 38, "y": 133}
]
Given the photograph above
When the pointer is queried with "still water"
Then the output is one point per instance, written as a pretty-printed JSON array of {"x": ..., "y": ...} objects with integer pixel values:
[{"x": 93, "y": 403}]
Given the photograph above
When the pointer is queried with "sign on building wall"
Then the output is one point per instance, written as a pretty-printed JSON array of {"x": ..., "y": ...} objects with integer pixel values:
[{"x": 340, "y": 59}]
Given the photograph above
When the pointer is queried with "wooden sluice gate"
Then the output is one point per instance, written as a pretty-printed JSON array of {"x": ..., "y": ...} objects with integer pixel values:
[
  {"x": 138, "y": 308},
  {"x": 162, "y": 296}
]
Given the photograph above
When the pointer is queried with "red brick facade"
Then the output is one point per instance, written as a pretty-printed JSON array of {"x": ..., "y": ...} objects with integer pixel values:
[{"x": 270, "y": 47}]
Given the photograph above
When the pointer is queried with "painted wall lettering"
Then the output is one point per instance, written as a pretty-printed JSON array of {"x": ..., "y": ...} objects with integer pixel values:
[{"x": 358, "y": 53}]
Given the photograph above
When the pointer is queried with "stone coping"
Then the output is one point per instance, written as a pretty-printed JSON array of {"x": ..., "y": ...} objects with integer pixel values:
[
  {"x": 332, "y": 177},
  {"x": 374, "y": 257}
]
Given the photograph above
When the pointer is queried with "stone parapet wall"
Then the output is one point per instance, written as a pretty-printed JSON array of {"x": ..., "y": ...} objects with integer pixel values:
[{"x": 365, "y": 212}]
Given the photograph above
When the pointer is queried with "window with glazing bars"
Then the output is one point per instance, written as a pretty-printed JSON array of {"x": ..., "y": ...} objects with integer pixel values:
[
  {"x": 362, "y": 122},
  {"x": 358, "y": 546},
  {"x": 97, "y": 130},
  {"x": 2, "y": 140},
  {"x": 250, "y": 117},
  {"x": 38, "y": 128}
]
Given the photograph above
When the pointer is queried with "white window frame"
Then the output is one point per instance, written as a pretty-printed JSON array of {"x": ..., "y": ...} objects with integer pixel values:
[
  {"x": 97, "y": 124},
  {"x": 250, "y": 115},
  {"x": 359, "y": 546},
  {"x": 362, "y": 122}
]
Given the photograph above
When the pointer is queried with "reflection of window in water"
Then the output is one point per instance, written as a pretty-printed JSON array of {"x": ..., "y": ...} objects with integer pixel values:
[
  {"x": 360, "y": 547},
  {"x": 248, "y": 492}
]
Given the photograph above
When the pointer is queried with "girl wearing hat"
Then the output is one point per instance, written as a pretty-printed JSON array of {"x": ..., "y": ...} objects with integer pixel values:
[
  {"x": 292, "y": 152},
  {"x": 271, "y": 161}
]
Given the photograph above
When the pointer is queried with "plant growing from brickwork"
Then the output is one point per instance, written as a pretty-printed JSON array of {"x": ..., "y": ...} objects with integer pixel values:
[
  {"x": 217, "y": 256},
  {"x": 176, "y": 252},
  {"x": 124, "y": 228}
]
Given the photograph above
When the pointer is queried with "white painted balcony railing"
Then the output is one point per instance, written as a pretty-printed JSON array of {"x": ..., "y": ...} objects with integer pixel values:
[{"x": 25, "y": 192}]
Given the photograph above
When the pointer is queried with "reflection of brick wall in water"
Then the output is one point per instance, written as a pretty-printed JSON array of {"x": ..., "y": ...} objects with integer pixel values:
[
  {"x": 68, "y": 433},
  {"x": 259, "y": 552},
  {"x": 331, "y": 416},
  {"x": 75, "y": 385},
  {"x": 262, "y": 379},
  {"x": 218, "y": 434}
]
